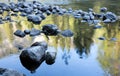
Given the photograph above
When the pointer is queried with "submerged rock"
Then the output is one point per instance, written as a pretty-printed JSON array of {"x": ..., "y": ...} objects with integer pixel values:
[
  {"x": 32, "y": 57},
  {"x": 67, "y": 33},
  {"x": 19, "y": 33},
  {"x": 9, "y": 72}
]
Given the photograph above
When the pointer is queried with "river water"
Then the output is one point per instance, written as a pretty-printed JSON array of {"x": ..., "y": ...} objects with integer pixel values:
[{"x": 84, "y": 54}]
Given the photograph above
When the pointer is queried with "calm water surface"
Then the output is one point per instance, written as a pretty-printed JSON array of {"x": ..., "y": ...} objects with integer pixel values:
[{"x": 81, "y": 55}]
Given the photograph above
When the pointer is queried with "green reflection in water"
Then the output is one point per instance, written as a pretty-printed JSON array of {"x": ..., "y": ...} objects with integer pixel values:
[{"x": 108, "y": 55}]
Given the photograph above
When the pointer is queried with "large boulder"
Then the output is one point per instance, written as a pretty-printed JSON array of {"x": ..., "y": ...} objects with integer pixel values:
[
  {"x": 33, "y": 56},
  {"x": 9, "y": 72}
]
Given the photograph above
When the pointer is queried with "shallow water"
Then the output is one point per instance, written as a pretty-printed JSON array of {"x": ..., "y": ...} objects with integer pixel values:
[{"x": 84, "y": 54}]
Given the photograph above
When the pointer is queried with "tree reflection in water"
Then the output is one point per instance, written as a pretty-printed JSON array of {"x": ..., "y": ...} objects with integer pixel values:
[
  {"x": 66, "y": 56},
  {"x": 83, "y": 38}
]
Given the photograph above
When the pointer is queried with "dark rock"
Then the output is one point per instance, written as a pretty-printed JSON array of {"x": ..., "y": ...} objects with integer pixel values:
[
  {"x": 27, "y": 31},
  {"x": 32, "y": 57},
  {"x": 111, "y": 16},
  {"x": 61, "y": 13},
  {"x": 67, "y": 33},
  {"x": 16, "y": 10},
  {"x": 48, "y": 12},
  {"x": 50, "y": 29},
  {"x": 107, "y": 21},
  {"x": 50, "y": 57},
  {"x": 19, "y": 33},
  {"x": 42, "y": 16},
  {"x": 103, "y": 9},
  {"x": 14, "y": 14},
  {"x": 20, "y": 9},
  {"x": 101, "y": 38},
  {"x": 28, "y": 10},
  {"x": 44, "y": 8},
  {"x": 35, "y": 32},
  {"x": 77, "y": 16},
  {"x": 9, "y": 72},
  {"x": 54, "y": 11},
  {"x": 34, "y": 18}
]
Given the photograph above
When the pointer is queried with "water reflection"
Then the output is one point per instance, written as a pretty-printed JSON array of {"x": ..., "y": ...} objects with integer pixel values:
[
  {"x": 107, "y": 51},
  {"x": 83, "y": 38},
  {"x": 109, "y": 55}
]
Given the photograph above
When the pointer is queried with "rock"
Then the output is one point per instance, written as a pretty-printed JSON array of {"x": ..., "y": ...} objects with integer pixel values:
[
  {"x": 107, "y": 21},
  {"x": 103, "y": 9},
  {"x": 35, "y": 32},
  {"x": 27, "y": 31},
  {"x": 48, "y": 12},
  {"x": 9, "y": 72},
  {"x": 50, "y": 57},
  {"x": 110, "y": 17},
  {"x": 97, "y": 26},
  {"x": 67, "y": 33},
  {"x": 28, "y": 10},
  {"x": 19, "y": 33},
  {"x": 50, "y": 29},
  {"x": 32, "y": 57},
  {"x": 101, "y": 38},
  {"x": 34, "y": 18}
]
